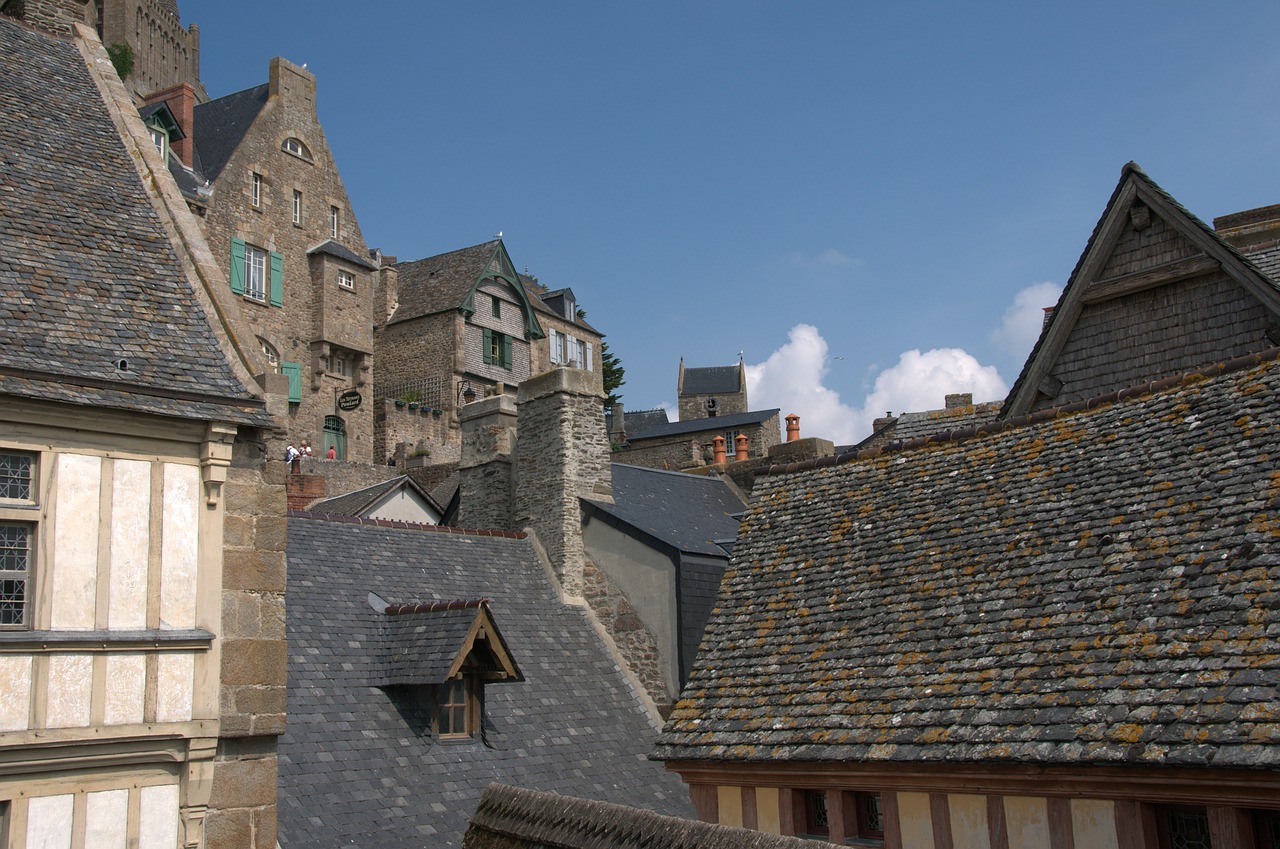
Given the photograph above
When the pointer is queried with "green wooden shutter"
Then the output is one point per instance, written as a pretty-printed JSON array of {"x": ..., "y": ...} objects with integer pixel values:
[
  {"x": 237, "y": 266},
  {"x": 294, "y": 372},
  {"x": 507, "y": 345},
  {"x": 488, "y": 345},
  {"x": 277, "y": 279}
]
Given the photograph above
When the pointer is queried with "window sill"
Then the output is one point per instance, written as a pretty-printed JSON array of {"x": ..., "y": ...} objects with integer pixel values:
[{"x": 154, "y": 639}]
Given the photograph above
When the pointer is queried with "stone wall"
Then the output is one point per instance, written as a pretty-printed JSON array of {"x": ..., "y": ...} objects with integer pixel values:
[
  {"x": 396, "y": 426},
  {"x": 686, "y": 451},
  {"x": 242, "y": 807},
  {"x": 562, "y": 455},
  {"x": 487, "y": 467},
  {"x": 56, "y": 16},
  {"x": 635, "y": 642}
]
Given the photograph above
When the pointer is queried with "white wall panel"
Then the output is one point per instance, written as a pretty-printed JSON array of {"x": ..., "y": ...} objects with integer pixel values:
[
  {"x": 70, "y": 690},
  {"x": 130, "y": 540},
  {"x": 126, "y": 689},
  {"x": 158, "y": 821},
  {"x": 49, "y": 822},
  {"x": 75, "y": 541},
  {"x": 180, "y": 556},
  {"x": 174, "y": 685},
  {"x": 15, "y": 685},
  {"x": 107, "y": 820}
]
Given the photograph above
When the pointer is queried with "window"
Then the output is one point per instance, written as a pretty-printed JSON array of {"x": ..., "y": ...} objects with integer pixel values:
[
  {"x": 270, "y": 354},
  {"x": 297, "y": 207},
  {"x": 457, "y": 711},
  {"x": 255, "y": 273},
  {"x": 160, "y": 139},
  {"x": 17, "y": 535},
  {"x": 1182, "y": 827},
  {"x": 334, "y": 221},
  {"x": 296, "y": 147},
  {"x": 255, "y": 189},
  {"x": 346, "y": 280},
  {"x": 496, "y": 306},
  {"x": 497, "y": 348},
  {"x": 814, "y": 821},
  {"x": 1267, "y": 829},
  {"x": 251, "y": 275},
  {"x": 863, "y": 819},
  {"x": 340, "y": 364}
]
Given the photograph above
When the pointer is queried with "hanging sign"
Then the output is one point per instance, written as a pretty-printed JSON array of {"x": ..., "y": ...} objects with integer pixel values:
[{"x": 349, "y": 400}]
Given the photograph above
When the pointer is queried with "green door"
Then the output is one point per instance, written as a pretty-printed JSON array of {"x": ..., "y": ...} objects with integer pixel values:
[{"x": 335, "y": 435}]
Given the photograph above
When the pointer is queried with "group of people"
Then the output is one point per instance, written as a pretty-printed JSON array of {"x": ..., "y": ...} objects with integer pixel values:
[{"x": 293, "y": 456}]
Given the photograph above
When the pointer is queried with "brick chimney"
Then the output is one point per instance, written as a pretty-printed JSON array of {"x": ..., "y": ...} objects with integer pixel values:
[
  {"x": 957, "y": 400},
  {"x": 562, "y": 455},
  {"x": 486, "y": 471},
  {"x": 181, "y": 100}
]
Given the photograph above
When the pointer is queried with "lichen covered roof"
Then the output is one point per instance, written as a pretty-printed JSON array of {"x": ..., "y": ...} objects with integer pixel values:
[{"x": 1095, "y": 587}]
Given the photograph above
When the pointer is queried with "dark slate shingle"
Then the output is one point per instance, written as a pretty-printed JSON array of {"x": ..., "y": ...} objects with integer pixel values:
[
  {"x": 716, "y": 423},
  {"x": 687, "y": 512},
  {"x": 711, "y": 380},
  {"x": 88, "y": 276},
  {"x": 1100, "y": 587},
  {"x": 356, "y": 763}
]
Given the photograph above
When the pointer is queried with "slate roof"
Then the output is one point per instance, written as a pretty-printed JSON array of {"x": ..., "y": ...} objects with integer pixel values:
[
  {"x": 341, "y": 251},
  {"x": 440, "y": 282},
  {"x": 687, "y": 512},
  {"x": 355, "y": 763},
  {"x": 1266, "y": 260},
  {"x": 1100, "y": 586},
  {"x": 638, "y": 421},
  {"x": 716, "y": 423},
  {"x": 711, "y": 380},
  {"x": 511, "y": 817},
  {"x": 421, "y": 642},
  {"x": 357, "y": 502},
  {"x": 87, "y": 274},
  {"x": 220, "y": 126}
]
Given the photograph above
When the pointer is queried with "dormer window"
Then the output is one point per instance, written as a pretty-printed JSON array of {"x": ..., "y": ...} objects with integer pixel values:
[
  {"x": 440, "y": 656},
  {"x": 296, "y": 147},
  {"x": 161, "y": 140}
]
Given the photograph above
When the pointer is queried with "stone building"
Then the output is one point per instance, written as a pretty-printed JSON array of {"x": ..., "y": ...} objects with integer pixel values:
[
  {"x": 712, "y": 391},
  {"x": 466, "y": 320},
  {"x": 690, "y": 444},
  {"x": 141, "y": 524},
  {"x": 1056, "y": 629},
  {"x": 256, "y": 168}
]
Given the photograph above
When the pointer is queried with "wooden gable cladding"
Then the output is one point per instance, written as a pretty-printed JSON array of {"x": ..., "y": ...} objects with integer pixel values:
[{"x": 1156, "y": 293}]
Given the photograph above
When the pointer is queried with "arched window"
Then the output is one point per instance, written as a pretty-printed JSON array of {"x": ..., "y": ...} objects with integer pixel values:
[
  {"x": 270, "y": 354},
  {"x": 296, "y": 147}
]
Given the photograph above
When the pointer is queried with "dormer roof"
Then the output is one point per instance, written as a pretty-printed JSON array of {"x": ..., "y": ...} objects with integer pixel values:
[{"x": 430, "y": 642}]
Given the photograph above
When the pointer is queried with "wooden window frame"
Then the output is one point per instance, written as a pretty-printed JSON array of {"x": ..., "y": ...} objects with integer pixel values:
[
  {"x": 297, "y": 207},
  {"x": 1165, "y": 826},
  {"x": 458, "y": 703},
  {"x": 255, "y": 189},
  {"x": 346, "y": 280},
  {"x": 335, "y": 221},
  {"x": 859, "y": 825}
]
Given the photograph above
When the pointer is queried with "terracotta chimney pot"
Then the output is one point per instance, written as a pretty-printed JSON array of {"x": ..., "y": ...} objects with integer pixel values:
[
  {"x": 793, "y": 427},
  {"x": 740, "y": 447},
  {"x": 717, "y": 448}
]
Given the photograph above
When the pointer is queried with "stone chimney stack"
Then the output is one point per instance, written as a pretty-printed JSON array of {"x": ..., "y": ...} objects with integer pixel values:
[
  {"x": 562, "y": 455},
  {"x": 883, "y": 422},
  {"x": 956, "y": 400},
  {"x": 486, "y": 471}
]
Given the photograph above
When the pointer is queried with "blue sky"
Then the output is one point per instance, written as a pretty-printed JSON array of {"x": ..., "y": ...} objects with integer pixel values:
[{"x": 870, "y": 201}]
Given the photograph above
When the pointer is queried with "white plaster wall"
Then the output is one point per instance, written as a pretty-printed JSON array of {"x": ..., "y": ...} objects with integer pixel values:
[
  {"x": 126, "y": 689},
  {"x": 1026, "y": 821},
  {"x": 15, "y": 684},
  {"x": 174, "y": 685},
  {"x": 70, "y": 691},
  {"x": 969, "y": 821},
  {"x": 106, "y": 819},
  {"x": 158, "y": 820},
  {"x": 179, "y": 549},
  {"x": 1093, "y": 823},
  {"x": 405, "y": 506},
  {"x": 130, "y": 541},
  {"x": 75, "y": 541},
  {"x": 49, "y": 822},
  {"x": 915, "y": 820}
]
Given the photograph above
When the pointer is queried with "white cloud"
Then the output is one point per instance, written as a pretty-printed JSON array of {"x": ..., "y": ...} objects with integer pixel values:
[
  {"x": 792, "y": 379},
  {"x": 1020, "y": 327}
]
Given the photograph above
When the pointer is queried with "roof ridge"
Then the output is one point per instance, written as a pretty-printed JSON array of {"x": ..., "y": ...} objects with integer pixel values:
[
  {"x": 410, "y": 526},
  {"x": 1230, "y": 366},
  {"x": 405, "y": 262},
  {"x": 435, "y": 606}
]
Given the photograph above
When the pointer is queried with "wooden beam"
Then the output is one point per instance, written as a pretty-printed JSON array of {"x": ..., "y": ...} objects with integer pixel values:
[{"x": 1148, "y": 278}]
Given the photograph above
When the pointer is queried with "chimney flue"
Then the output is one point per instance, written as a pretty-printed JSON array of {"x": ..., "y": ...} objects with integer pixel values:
[{"x": 793, "y": 427}]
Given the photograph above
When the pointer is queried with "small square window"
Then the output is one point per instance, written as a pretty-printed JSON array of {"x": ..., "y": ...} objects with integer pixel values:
[
  {"x": 17, "y": 470},
  {"x": 297, "y": 207},
  {"x": 1182, "y": 827},
  {"x": 346, "y": 280},
  {"x": 255, "y": 189}
]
